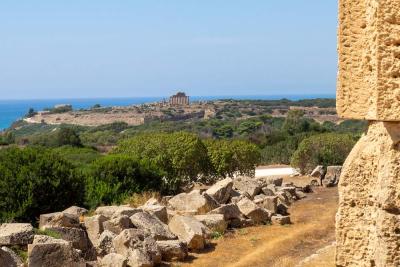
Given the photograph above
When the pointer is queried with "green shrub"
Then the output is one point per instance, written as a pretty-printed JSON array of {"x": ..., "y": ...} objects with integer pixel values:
[
  {"x": 64, "y": 136},
  {"x": 181, "y": 156},
  {"x": 103, "y": 138},
  {"x": 35, "y": 181},
  {"x": 7, "y": 138},
  {"x": 230, "y": 157},
  {"x": 280, "y": 152},
  {"x": 114, "y": 178},
  {"x": 79, "y": 156},
  {"x": 323, "y": 149}
]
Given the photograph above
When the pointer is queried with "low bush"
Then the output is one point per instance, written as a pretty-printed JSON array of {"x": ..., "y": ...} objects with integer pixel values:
[
  {"x": 323, "y": 149},
  {"x": 230, "y": 157},
  {"x": 113, "y": 178},
  {"x": 181, "y": 156},
  {"x": 35, "y": 181}
]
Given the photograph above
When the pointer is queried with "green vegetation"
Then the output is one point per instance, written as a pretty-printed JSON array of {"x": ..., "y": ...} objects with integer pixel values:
[
  {"x": 181, "y": 156},
  {"x": 217, "y": 235},
  {"x": 34, "y": 181},
  {"x": 31, "y": 113},
  {"x": 64, "y": 136},
  {"x": 80, "y": 157},
  {"x": 60, "y": 109},
  {"x": 113, "y": 178},
  {"x": 7, "y": 138},
  {"x": 323, "y": 149},
  {"x": 230, "y": 157},
  {"x": 47, "y": 232},
  {"x": 63, "y": 165}
]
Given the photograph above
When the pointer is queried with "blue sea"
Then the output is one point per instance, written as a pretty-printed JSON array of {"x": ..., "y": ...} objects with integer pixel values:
[{"x": 12, "y": 110}]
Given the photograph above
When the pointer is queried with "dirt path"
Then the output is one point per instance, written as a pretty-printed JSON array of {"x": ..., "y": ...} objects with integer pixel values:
[{"x": 280, "y": 246}]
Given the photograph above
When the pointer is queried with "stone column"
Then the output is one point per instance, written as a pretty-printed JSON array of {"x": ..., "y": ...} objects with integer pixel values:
[{"x": 368, "y": 219}]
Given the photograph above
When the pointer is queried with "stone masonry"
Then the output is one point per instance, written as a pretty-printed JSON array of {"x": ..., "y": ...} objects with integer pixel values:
[{"x": 368, "y": 219}]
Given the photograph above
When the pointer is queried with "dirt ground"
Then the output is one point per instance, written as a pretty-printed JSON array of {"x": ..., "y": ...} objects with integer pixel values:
[{"x": 313, "y": 228}]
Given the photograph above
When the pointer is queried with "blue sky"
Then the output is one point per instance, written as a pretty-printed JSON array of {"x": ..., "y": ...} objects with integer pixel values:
[{"x": 118, "y": 48}]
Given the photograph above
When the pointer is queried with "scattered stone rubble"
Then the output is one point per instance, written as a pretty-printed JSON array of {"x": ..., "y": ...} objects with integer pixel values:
[
  {"x": 164, "y": 230},
  {"x": 328, "y": 177}
]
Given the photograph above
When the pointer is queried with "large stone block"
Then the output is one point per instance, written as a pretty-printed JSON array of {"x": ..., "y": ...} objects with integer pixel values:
[
  {"x": 369, "y": 60},
  {"x": 193, "y": 203},
  {"x": 147, "y": 222},
  {"x": 9, "y": 258},
  {"x": 16, "y": 234},
  {"x": 221, "y": 191},
  {"x": 47, "y": 251},
  {"x": 368, "y": 219},
  {"x": 189, "y": 230},
  {"x": 140, "y": 249}
]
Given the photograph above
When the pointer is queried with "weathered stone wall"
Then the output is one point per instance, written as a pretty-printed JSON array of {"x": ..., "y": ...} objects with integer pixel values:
[
  {"x": 368, "y": 219},
  {"x": 369, "y": 60}
]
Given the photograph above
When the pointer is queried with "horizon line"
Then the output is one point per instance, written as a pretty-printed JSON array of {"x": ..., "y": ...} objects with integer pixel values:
[{"x": 326, "y": 95}]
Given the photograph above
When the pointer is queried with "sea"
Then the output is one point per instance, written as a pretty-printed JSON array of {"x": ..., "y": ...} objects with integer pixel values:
[{"x": 12, "y": 110}]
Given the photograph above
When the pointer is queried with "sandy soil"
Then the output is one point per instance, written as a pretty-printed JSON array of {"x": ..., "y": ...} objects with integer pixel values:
[
  {"x": 277, "y": 246},
  {"x": 325, "y": 257}
]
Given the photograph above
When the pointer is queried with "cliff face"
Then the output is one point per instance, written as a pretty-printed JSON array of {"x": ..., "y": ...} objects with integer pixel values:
[{"x": 368, "y": 220}]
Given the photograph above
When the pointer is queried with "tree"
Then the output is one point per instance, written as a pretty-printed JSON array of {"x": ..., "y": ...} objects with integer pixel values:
[
  {"x": 67, "y": 136},
  {"x": 230, "y": 157},
  {"x": 31, "y": 113},
  {"x": 114, "y": 178},
  {"x": 249, "y": 126},
  {"x": 225, "y": 131},
  {"x": 35, "y": 181},
  {"x": 294, "y": 122},
  {"x": 322, "y": 149},
  {"x": 7, "y": 138}
]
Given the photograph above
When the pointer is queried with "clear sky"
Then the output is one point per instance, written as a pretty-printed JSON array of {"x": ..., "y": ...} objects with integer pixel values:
[{"x": 128, "y": 48}]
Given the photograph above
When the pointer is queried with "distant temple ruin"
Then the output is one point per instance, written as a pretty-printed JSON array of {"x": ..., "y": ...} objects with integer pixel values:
[{"x": 179, "y": 99}]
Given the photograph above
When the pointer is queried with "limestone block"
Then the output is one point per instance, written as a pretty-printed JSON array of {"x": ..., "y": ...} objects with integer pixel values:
[
  {"x": 114, "y": 211},
  {"x": 215, "y": 222},
  {"x": 369, "y": 60},
  {"x": 113, "y": 260},
  {"x": 194, "y": 202},
  {"x": 47, "y": 251},
  {"x": 221, "y": 191},
  {"x": 94, "y": 227},
  {"x": 189, "y": 230},
  {"x": 173, "y": 249},
  {"x": 368, "y": 221},
  {"x": 140, "y": 249},
  {"x": 252, "y": 211},
  {"x": 147, "y": 222},
  {"x": 9, "y": 258},
  {"x": 118, "y": 224},
  {"x": 16, "y": 234}
]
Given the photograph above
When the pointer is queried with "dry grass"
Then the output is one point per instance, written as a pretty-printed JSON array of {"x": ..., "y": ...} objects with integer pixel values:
[
  {"x": 325, "y": 258},
  {"x": 280, "y": 246},
  {"x": 137, "y": 200}
]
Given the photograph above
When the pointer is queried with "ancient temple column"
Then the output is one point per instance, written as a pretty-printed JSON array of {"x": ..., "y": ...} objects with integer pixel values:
[{"x": 368, "y": 219}]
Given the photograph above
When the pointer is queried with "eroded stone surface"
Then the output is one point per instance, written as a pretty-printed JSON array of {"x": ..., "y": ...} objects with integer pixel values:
[
  {"x": 16, "y": 234},
  {"x": 369, "y": 60},
  {"x": 368, "y": 221}
]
